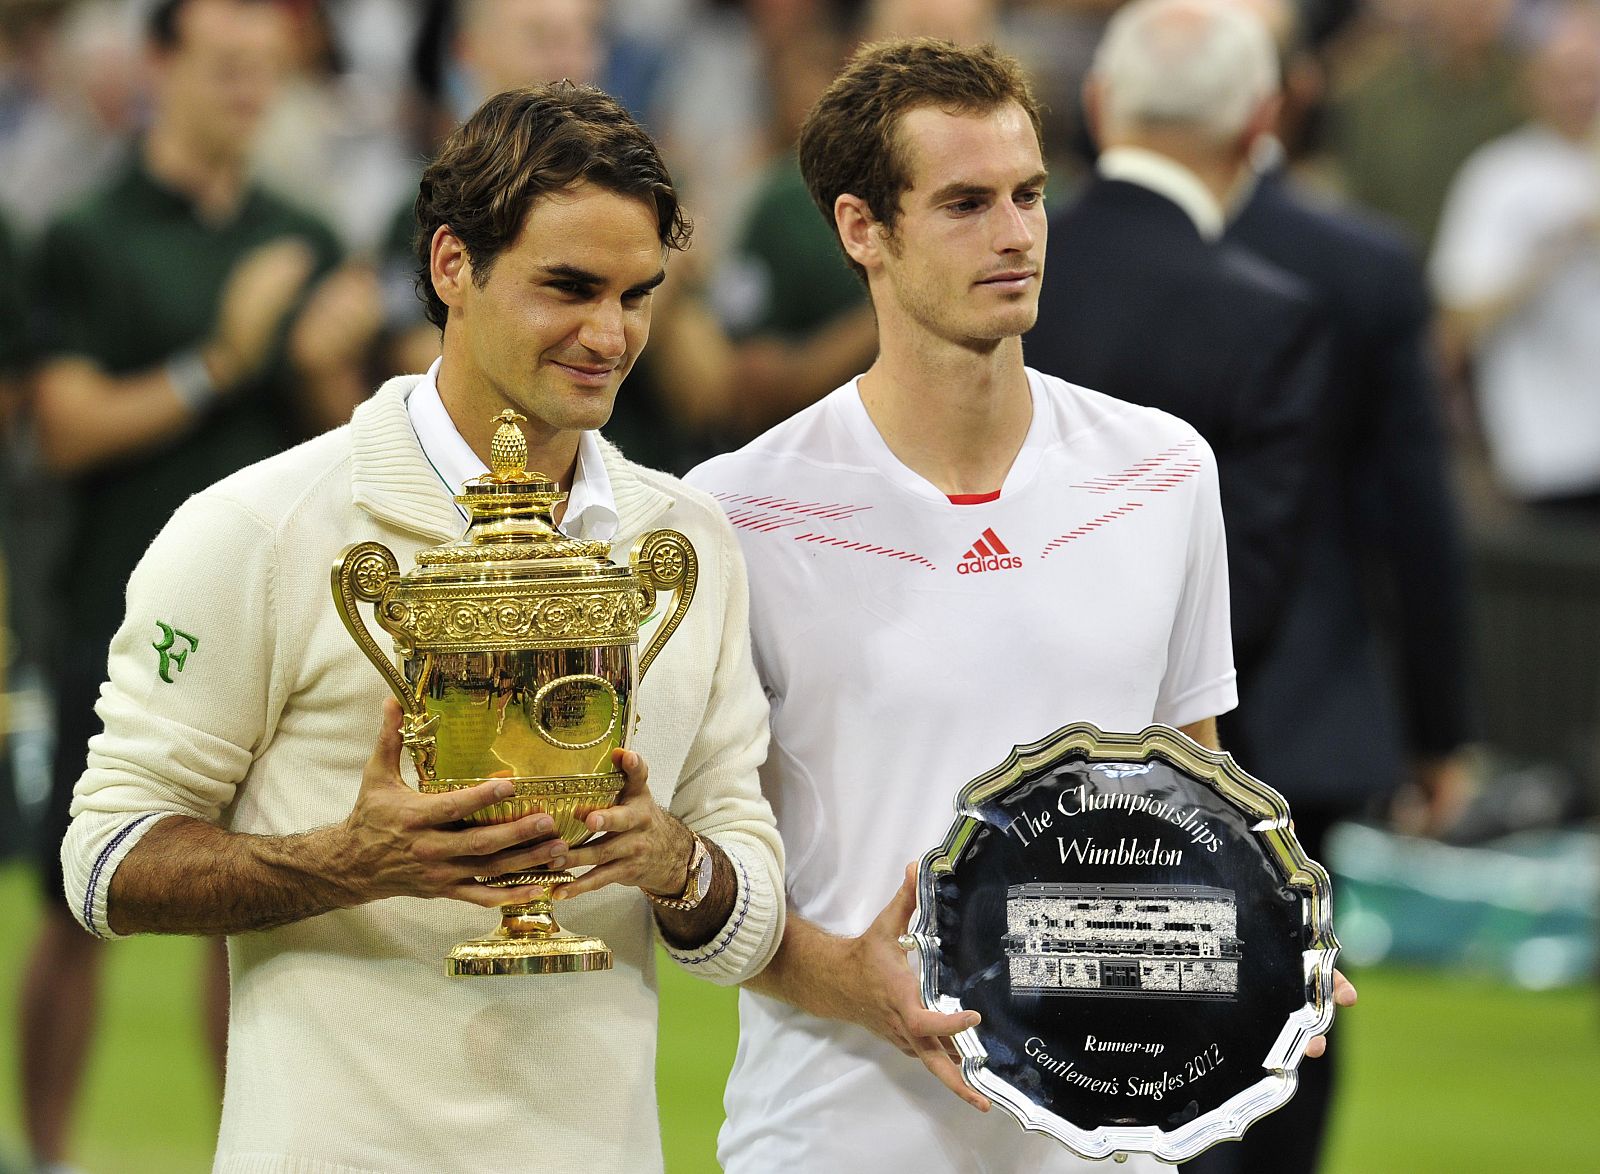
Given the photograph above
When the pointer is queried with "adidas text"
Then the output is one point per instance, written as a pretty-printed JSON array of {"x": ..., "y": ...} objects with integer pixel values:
[{"x": 974, "y": 566}]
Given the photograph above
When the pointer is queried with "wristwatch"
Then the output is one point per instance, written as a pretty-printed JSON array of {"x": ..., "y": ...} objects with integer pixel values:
[{"x": 698, "y": 884}]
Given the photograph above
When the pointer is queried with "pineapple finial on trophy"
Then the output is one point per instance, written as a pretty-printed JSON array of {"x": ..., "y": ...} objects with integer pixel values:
[{"x": 508, "y": 451}]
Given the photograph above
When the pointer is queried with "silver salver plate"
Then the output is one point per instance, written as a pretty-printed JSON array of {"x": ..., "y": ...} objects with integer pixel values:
[{"x": 1150, "y": 948}]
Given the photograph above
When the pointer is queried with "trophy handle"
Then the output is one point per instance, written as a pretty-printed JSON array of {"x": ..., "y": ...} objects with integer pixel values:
[
  {"x": 664, "y": 561},
  {"x": 364, "y": 572}
]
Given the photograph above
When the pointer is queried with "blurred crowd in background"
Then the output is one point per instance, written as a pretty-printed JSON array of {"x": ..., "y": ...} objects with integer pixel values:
[
  {"x": 342, "y": 101},
  {"x": 296, "y": 133}
]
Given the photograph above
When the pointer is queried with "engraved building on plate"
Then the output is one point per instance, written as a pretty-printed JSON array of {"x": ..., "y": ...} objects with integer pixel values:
[{"x": 1087, "y": 939}]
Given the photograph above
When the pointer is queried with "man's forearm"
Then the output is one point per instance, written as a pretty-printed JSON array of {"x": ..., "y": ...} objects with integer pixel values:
[
  {"x": 187, "y": 876},
  {"x": 1204, "y": 732},
  {"x": 868, "y": 981},
  {"x": 689, "y": 929},
  {"x": 806, "y": 970},
  {"x": 86, "y": 418}
]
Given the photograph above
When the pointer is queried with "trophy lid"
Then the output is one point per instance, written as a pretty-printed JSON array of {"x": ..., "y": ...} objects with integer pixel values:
[{"x": 510, "y": 518}]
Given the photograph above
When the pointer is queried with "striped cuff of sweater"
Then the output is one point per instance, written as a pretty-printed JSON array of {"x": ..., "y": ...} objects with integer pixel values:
[
  {"x": 746, "y": 941},
  {"x": 88, "y": 877}
]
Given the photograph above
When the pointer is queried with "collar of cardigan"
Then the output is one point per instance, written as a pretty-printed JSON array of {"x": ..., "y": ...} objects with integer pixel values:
[{"x": 392, "y": 480}]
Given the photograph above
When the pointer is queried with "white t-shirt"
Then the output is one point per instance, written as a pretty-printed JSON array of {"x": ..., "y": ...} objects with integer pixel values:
[
  {"x": 906, "y": 644},
  {"x": 1538, "y": 372}
]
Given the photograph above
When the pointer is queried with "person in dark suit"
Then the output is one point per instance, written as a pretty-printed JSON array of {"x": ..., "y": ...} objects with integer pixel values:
[
  {"x": 1140, "y": 301},
  {"x": 1381, "y": 506},
  {"x": 1320, "y": 717}
]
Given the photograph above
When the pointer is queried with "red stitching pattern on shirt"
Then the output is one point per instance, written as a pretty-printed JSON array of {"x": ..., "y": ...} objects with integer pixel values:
[
  {"x": 1167, "y": 478},
  {"x": 756, "y": 520},
  {"x": 865, "y": 548},
  {"x": 833, "y": 511},
  {"x": 1090, "y": 527},
  {"x": 749, "y": 512},
  {"x": 1141, "y": 470}
]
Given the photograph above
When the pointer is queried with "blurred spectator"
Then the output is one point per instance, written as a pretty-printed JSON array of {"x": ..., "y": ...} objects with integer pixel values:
[
  {"x": 493, "y": 45},
  {"x": 12, "y": 367},
  {"x": 714, "y": 110},
  {"x": 1445, "y": 87},
  {"x": 331, "y": 141},
  {"x": 13, "y": 354},
  {"x": 74, "y": 85},
  {"x": 1055, "y": 40},
  {"x": 964, "y": 22},
  {"x": 1140, "y": 302},
  {"x": 1517, "y": 267},
  {"x": 1379, "y": 535},
  {"x": 13, "y": 362},
  {"x": 1300, "y": 147},
  {"x": 178, "y": 342},
  {"x": 798, "y": 317},
  {"x": 502, "y": 44},
  {"x": 639, "y": 36}
]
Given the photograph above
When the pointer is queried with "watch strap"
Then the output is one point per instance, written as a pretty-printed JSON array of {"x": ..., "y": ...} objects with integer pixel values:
[{"x": 693, "y": 892}]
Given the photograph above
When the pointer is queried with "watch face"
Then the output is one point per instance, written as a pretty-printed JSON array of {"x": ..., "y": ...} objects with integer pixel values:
[{"x": 702, "y": 875}]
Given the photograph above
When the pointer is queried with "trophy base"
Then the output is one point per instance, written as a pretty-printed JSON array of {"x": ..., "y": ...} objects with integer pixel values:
[
  {"x": 498, "y": 955},
  {"x": 528, "y": 940}
]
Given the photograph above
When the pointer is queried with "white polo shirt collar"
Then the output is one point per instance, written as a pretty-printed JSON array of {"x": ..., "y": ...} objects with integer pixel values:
[
  {"x": 591, "y": 513},
  {"x": 1169, "y": 178}
]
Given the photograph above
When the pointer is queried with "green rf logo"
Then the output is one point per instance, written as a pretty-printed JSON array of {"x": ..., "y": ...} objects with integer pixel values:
[{"x": 172, "y": 662}]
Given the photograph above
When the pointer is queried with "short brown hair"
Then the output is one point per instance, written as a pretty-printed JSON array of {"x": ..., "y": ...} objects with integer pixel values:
[
  {"x": 850, "y": 141},
  {"x": 522, "y": 145}
]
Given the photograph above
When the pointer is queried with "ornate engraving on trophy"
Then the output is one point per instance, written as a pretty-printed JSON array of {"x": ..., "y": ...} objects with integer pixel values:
[
  {"x": 576, "y": 712},
  {"x": 1123, "y": 940}
]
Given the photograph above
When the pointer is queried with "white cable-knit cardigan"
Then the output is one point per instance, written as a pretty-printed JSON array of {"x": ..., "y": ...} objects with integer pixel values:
[{"x": 349, "y": 1049}]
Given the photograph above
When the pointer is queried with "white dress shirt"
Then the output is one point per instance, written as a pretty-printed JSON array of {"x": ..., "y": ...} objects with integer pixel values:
[
  {"x": 591, "y": 513},
  {"x": 1169, "y": 178}
]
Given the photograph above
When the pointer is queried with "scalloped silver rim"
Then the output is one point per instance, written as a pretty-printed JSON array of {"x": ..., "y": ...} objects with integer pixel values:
[{"x": 1256, "y": 799}]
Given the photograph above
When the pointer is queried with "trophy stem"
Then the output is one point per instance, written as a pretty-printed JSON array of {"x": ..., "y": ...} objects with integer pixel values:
[
  {"x": 533, "y": 919},
  {"x": 529, "y": 940}
]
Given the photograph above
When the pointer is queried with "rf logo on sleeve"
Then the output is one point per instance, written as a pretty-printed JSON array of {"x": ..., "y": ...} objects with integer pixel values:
[{"x": 172, "y": 662}]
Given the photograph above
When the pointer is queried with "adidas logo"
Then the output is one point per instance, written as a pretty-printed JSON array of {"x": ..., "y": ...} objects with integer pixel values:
[{"x": 988, "y": 553}]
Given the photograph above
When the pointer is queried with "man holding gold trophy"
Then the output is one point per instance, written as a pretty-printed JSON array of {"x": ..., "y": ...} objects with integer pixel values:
[{"x": 233, "y": 790}]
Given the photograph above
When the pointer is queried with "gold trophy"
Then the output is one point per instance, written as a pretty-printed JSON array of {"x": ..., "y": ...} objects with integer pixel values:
[{"x": 518, "y": 651}]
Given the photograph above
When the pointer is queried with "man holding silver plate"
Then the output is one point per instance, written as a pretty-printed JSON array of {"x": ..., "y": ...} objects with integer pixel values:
[
  {"x": 234, "y": 789},
  {"x": 951, "y": 556}
]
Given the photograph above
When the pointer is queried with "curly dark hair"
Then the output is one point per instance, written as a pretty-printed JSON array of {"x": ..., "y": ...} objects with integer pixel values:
[
  {"x": 850, "y": 141},
  {"x": 524, "y": 144}
]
